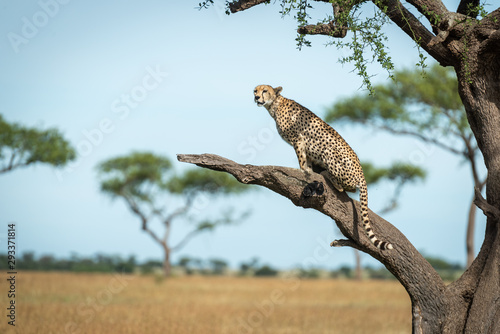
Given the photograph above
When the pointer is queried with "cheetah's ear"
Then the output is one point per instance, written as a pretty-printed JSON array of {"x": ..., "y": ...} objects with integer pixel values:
[{"x": 278, "y": 90}]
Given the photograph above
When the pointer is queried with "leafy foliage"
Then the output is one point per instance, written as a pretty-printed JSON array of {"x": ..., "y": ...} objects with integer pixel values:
[
  {"x": 96, "y": 263},
  {"x": 205, "y": 180},
  {"x": 399, "y": 172},
  {"x": 22, "y": 146},
  {"x": 136, "y": 175},
  {"x": 429, "y": 109},
  {"x": 368, "y": 41}
]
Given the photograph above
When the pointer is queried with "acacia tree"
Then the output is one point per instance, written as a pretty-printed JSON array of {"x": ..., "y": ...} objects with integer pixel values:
[
  {"x": 22, "y": 146},
  {"x": 428, "y": 109},
  {"x": 458, "y": 39},
  {"x": 149, "y": 187}
]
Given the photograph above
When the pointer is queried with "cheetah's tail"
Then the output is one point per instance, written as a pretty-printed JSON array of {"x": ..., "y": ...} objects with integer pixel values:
[{"x": 363, "y": 199}]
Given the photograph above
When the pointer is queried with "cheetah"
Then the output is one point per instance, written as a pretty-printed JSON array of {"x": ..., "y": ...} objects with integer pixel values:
[{"x": 317, "y": 144}]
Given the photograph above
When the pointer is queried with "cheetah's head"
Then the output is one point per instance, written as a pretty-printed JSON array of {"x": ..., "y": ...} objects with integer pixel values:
[{"x": 264, "y": 95}]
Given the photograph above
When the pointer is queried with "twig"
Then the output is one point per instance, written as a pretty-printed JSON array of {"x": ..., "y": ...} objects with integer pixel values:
[
  {"x": 488, "y": 209},
  {"x": 344, "y": 243}
]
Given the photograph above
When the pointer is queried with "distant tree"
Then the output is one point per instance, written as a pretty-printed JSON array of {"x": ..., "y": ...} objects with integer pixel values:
[
  {"x": 248, "y": 268},
  {"x": 184, "y": 262},
  {"x": 149, "y": 187},
  {"x": 266, "y": 270},
  {"x": 441, "y": 264},
  {"x": 22, "y": 146},
  {"x": 428, "y": 109},
  {"x": 27, "y": 261},
  {"x": 217, "y": 266}
]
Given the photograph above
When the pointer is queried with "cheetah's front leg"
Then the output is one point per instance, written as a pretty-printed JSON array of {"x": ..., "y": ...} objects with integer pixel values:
[{"x": 304, "y": 162}]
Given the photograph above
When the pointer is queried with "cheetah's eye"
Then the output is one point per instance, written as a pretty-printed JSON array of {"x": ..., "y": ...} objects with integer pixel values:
[
  {"x": 264, "y": 91},
  {"x": 255, "y": 91}
]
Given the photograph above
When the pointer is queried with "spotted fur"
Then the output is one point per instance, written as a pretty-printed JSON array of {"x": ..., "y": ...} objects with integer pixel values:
[{"x": 316, "y": 143}]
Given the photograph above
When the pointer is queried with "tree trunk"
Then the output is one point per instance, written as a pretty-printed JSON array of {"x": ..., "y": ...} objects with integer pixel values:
[
  {"x": 479, "y": 87},
  {"x": 469, "y": 238},
  {"x": 358, "y": 274},
  {"x": 167, "y": 266}
]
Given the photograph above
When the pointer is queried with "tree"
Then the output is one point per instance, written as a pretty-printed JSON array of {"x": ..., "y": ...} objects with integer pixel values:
[
  {"x": 22, "y": 146},
  {"x": 458, "y": 39},
  {"x": 428, "y": 109},
  {"x": 146, "y": 182}
]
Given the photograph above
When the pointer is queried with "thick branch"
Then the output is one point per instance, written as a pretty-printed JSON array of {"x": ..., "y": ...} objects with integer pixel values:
[
  {"x": 241, "y": 5},
  {"x": 405, "y": 20},
  {"x": 334, "y": 28},
  {"x": 424, "y": 285},
  {"x": 431, "y": 9}
]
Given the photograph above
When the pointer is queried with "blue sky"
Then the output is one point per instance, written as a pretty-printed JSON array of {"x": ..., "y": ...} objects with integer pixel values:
[{"x": 164, "y": 77}]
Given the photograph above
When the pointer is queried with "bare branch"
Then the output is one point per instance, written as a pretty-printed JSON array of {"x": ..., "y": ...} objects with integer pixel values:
[
  {"x": 13, "y": 163},
  {"x": 329, "y": 29},
  {"x": 186, "y": 238},
  {"x": 488, "y": 209},
  {"x": 402, "y": 261},
  {"x": 180, "y": 211},
  {"x": 10, "y": 165},
  {"x": 423, "y": 138},
  {"x": 241, "y": 5},
  {"x": 344, "y": 243}
]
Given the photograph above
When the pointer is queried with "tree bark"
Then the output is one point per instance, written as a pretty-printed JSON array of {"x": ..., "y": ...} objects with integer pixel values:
[{"x": 479, "y": 88}]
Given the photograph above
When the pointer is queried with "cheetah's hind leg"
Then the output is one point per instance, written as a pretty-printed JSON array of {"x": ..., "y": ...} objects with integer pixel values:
[{"x": 332, "y": 180}]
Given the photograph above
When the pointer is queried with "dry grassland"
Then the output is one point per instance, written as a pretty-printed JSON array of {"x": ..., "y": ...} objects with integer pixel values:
[{"x": 113, "y": 303}]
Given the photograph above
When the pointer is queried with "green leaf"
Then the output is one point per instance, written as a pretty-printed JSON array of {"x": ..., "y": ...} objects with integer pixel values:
[
  {"x": 205, "y": 180},
  {"x": 136, "y": 175}
]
